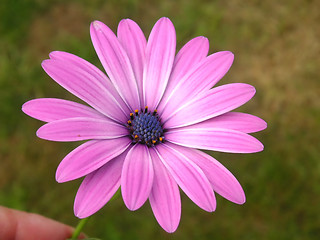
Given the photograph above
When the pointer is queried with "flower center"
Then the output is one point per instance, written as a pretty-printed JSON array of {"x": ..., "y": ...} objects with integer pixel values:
[{"x": 145, "y": 127}]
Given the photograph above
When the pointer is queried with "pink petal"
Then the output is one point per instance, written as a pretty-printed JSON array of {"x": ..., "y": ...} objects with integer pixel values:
[
  {"x": 98, "y": 187},
  {"x": 190, "y": 54},
  {"x": 51, "y": 109},
  {"x": 216, "y": 139},
  {"x": 137, "y": 177},
  {"x": 81, "y": 128},
  {"x": 165, "y": 196},
  {"x": 89, "y": 156},
  {"x": 79, "y": 63},
  {"x": 211, "y": 103},
  {"x": 189, "y": 177},
  {"x": 134, "y": 43},
  {"x": 159, "y": 59},
  {"x": 221, "y": 179},
  {"x": 242, "y": 122},
  {"x": 202, "y": 76},
  {"x": 85, "y": 86},
  {"x": 116, "y": 63}
]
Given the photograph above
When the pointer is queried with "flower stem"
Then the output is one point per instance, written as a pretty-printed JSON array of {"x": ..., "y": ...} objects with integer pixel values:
[{"x": 79, "y": 227}]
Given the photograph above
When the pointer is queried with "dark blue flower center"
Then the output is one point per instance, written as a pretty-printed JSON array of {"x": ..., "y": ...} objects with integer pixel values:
[{"x": 145, "y": 127}]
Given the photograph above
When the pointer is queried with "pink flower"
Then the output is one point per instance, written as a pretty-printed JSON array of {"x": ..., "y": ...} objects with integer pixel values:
[{"x": 146, "y": 121}]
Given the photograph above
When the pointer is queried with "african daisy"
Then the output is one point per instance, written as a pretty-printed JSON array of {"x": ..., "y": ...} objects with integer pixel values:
[{"x": 146, "y": 120}]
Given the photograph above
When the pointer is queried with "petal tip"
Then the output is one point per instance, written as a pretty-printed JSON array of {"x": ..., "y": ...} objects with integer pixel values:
[
  {"x": 79, "y": 213},
  {"x": 126, "y": 24},
  {"x": 201, "y": 39},
  {"x": 43, "y": 134},
  {"x": 255, "y": 146},
  {"x": 251, "y": 90},
  {"x": 264, "y": 124},
  {"x": 229, "y": 53},
  {"x": 254, "y": 89},
  {"x": 205, "y": 40},
  {"x": 25, "y": 107},
  {"x": 39, "y": 132},
  {"x": 131, "y": 203},
  {"x": 259, "y": 147},
  {"x": 60, "y": 177},
  {"x": 231, "y": 56},
  {"x": 45, "y": 63},
  {"x": 242, "y": 201},
  {"x": 165, "y": 20},
  {"x": 240, "y": 198},
  {"x": 53, "y": 54},
  {"x": 96, "y": 25},
  {"x": 170, "y": 229},
  {"x": 132, "y": 206},
  {"x": 169, "y": 225},
  {"x": 56, "y": 54},
  {"x": 213, "y": 207},
  {"x": 126, "y": 21},
  {"x": 79, "y": 210}
]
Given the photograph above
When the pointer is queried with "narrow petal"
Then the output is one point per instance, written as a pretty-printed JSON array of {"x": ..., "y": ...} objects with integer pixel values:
[
  {"x": 116, "y": 63},
  {"x": 221, "y": 179},
  {"x": 202, "y": 76},
  {"x": 216, "y": 139},
  {"x": 79, "y": 63},
  {"x": 189, "y": 177},
  {"x": 242, "y": 122},
  {"x": 89, "y": 156},
  {"x": 134, "y": 43},
  {"x": 137, "y": 177},
  {"x": 81, "y": 128},
  {"x": 165, "y": 196},
  {"x": 85, "y": 86},
  {"x": 52, "y": 109},
  {"x": 159, "y": 60},
  {"x": 98, "y": 187},
  {"x": 211, "y": 103},
  {"x": 189, "y": 55}
]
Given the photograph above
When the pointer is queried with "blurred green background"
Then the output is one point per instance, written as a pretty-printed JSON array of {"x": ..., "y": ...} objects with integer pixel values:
[{"x": 276, "y": 46}]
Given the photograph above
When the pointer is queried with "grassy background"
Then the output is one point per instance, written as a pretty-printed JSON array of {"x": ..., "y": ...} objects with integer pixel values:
[{"x": 276, "y": 46}]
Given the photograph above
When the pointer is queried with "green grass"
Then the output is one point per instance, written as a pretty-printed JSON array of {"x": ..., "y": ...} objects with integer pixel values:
[{"x": 276, "y": 46}]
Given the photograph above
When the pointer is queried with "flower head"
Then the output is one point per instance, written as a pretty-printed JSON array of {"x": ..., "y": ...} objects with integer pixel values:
[{"x": 146, "y": 120}]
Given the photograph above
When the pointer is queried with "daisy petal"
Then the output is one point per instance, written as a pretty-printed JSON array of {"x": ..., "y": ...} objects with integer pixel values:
[
  {"x": 77, "y": 62},
  {"x": 134, "y": 43},
  {"x": 52, "y": 109},
  {"x": 116, "y": 62},
  {"x": 88, "y": 157},
  {"x": 212, "y": 103},
  {"x": 190, "y": 54},
  {"x": 160, "y": 53},
  {"x": 137, "y": 177},
  {"x": 221, "y": 179},
  {"x": 216, "y": 139},
  {"x": 85, "y": 85},
  {"x": 242, "y": 122},
  {"x": 81, "y": 128},
  {"x": 202, "y": 76},
  {"x": 98, "y": 187},
  {"x": 189, "y": 177},
  {"x": 165, "y": 196}
]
